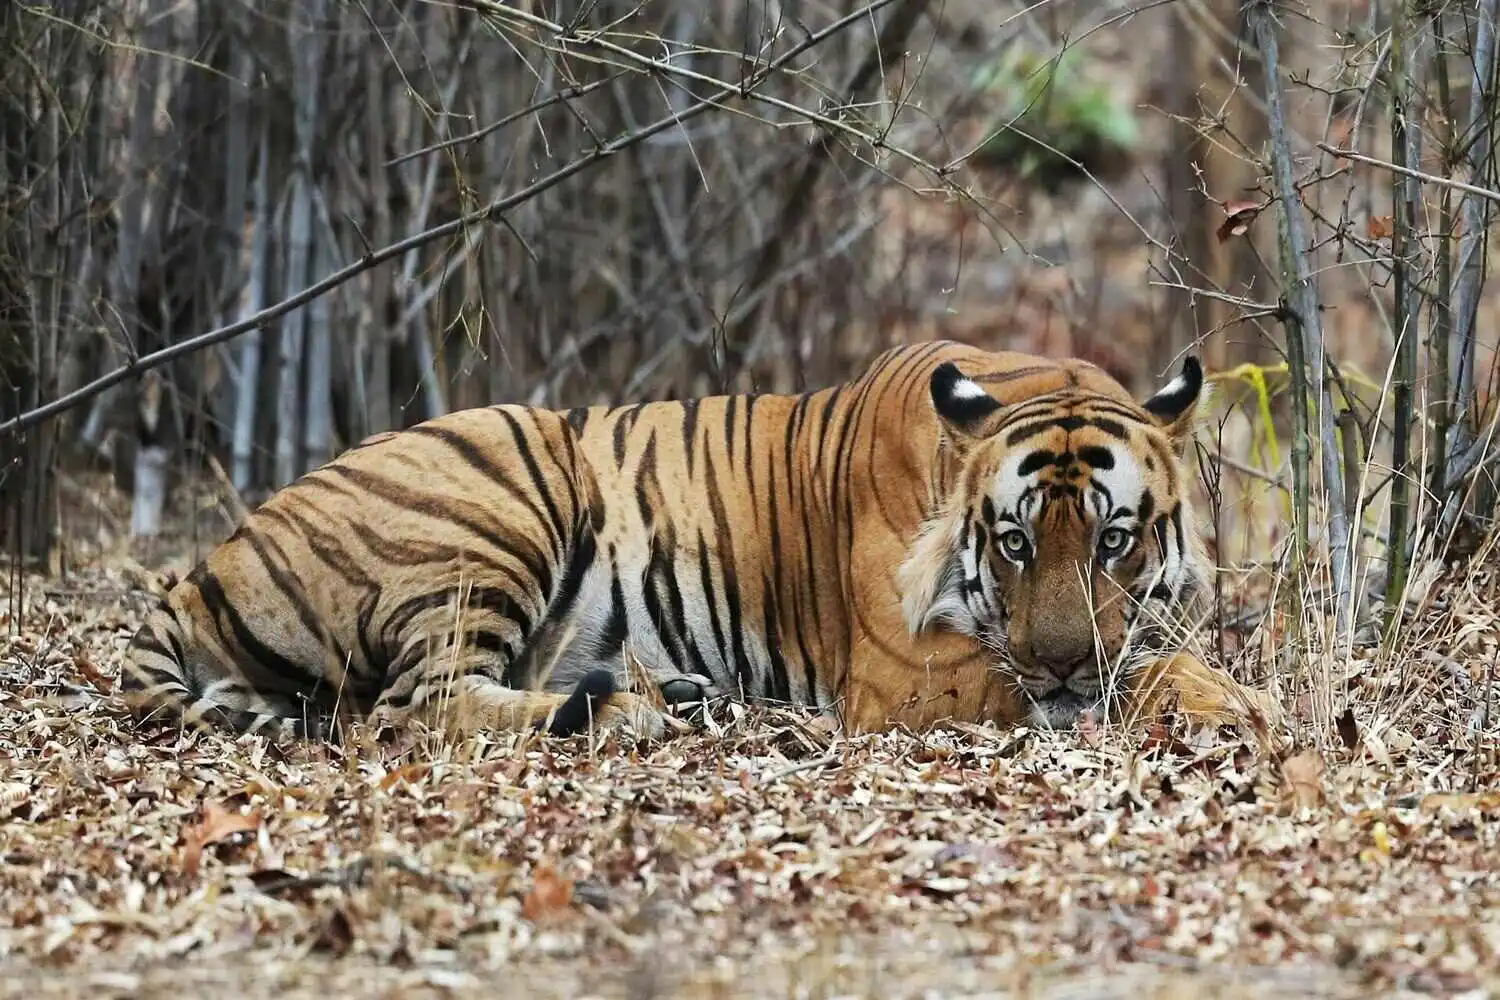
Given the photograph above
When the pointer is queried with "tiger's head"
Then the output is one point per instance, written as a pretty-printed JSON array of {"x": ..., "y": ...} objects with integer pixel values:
[{"x": 1060, "y": 533}]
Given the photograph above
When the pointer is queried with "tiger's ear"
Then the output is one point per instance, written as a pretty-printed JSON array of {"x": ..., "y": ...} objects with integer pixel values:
[
  {"x": 1175, "y": 405},
  {"x": 962, "y": 405}
]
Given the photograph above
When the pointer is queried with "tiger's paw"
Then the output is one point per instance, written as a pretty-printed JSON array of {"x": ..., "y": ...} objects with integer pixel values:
[
  {"x": 687, "y": 698},
  {"x": 598, "y": 704},
  {"x": 632, "y": 715},
  {"x": 1204, "y": 697}
]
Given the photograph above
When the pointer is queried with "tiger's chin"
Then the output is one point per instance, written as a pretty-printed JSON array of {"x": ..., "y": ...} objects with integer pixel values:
[{"x": 1061, "y": 709}]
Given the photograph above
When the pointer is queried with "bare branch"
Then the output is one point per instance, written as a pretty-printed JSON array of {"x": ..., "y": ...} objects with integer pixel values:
[
  {"x": 1395, "y": 168},
  {"x": 723, "y": 94}
]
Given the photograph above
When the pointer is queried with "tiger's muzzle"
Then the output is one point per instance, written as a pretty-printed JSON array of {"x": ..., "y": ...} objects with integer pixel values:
[{"x": 1060, "y": 685}]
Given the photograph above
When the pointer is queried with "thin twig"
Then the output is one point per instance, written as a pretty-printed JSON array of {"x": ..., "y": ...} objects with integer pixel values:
[
  {"x": 185, "y": 348},
  {"x": 1447, "y": 182},
  {"x": 804, "y": 765}
]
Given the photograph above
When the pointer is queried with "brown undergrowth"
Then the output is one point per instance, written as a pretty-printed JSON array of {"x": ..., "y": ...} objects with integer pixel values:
[{"x": 759, "y": 856}]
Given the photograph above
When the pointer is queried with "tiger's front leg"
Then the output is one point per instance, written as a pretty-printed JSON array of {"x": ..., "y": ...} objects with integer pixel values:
[
  {"x": 1190, "y": 688},
  {"x": 462, "y": 704}
]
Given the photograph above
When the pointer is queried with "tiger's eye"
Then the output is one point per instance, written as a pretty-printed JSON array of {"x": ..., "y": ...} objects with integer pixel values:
[{"x": 1113, "y": 541}]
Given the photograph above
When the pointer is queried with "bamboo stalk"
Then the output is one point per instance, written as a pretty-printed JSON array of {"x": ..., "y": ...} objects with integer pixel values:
[
  {"x": 1306, "y": 353},
  {"x": 1404, "y": 195}
]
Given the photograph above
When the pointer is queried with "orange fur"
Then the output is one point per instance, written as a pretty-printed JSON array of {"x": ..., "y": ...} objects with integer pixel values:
[{"x": 480, "y": 570}]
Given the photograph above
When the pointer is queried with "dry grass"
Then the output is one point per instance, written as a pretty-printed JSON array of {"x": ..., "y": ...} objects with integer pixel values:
[{"x": 766, "y": 857}]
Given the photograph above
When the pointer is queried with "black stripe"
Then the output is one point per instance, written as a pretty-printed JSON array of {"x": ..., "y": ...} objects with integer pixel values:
[
  {"x": 780, "y": 684},
  {"x": 585, "y": 549},
  {"x": 612, "y": 639},
  {"x": 624, "y": 420},
  {"x": 499, "y": 603},
  {"x": 647, "y": 486},
  {"x": 731, "y": 405},
  {"x": 1109, "y": 500},
  {"x": 738, "y": 655},
  {"x": 217, "y": 604},
  {"x": 665, "y": 607},
  {"x": 560, "y": 524},
  {"x": 1096, "y": 456},
  {"x": 457, "y": 512},
  {"x": 279, "y": 566},
  {"x": 484, "y": 463},
  {"x": 689, "y": 431},
  {"x": 810, "y": 602},
  {"x": 750, "y": 449},
  {"x": 365, "y": 634},
  {"x": 1177, "y": 529},
  {"x": 1069, "y": 423},
  {"x": 771, "y": 590},
  {"x": 710, "y": 595},
  {"x": 1039, "y": 459}
]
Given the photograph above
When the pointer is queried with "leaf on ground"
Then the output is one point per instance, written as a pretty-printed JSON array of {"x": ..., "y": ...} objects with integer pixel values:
[
  {"x": 1302, "y": 774},
  {"x": 1348, "y": 729},
  {"x": 409, "y": 773},
  {"x": 1485, "y": 802},
  {"x": 91, "y": 674},
  {"x": 336, "y": 935},
  {"x": 215, "y": 824},
  {"x": 1380, "y": 227},
  {"x": 1088, "y": 730},
  {"x": 551, "y": 892}
]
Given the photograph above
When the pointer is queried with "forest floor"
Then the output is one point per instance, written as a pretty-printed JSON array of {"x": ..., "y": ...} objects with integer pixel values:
[{"x": 765, "y": 857}]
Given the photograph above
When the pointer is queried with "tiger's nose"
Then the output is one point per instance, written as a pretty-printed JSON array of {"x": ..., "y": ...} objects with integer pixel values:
[{"x": 1063, "y": 661}]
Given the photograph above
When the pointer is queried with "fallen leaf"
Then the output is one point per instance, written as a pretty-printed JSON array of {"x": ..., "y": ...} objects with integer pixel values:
[
  {"x": 946, "y": 886},
  {"x": 91, "y": 674},
  {"x": 1375, "y": 747},
  {"x": 1381, "y": 838},
  {"x": 336, "y": 935},
  {"x": 1380, "y": 227},
  {"x": 551, "y": 892},
  {"x": 1238, "y": 217},
  {"x": 1348, "y": 729},
  {"x": 1485, "y": 802},
  {"x": 215, "y": 824},
  {"x": 410, "y": 773},
  {"x": 1088, "y": 730},
  {"x": 1303, "y": 777}
]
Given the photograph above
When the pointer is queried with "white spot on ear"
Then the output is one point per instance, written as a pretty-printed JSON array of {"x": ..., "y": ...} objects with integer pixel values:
[
  {"x": 966, "y": 388},
  {"x": 1176, "y": 386}
]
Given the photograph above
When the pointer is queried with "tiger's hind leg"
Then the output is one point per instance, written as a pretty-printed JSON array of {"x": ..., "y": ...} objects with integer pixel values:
[{"x": 457, "y": 693}]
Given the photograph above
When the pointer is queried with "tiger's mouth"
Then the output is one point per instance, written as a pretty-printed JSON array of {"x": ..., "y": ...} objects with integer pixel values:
[
  {"x": 1060, "y": 704},
  {"x": 1062, "y": 708}
]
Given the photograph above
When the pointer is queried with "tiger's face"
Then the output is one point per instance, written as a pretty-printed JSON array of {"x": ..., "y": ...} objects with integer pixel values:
[{"x": 1064, "y": 539}]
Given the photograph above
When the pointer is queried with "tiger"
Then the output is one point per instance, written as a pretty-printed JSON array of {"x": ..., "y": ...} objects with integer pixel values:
[{"x": 953, "y": 534}]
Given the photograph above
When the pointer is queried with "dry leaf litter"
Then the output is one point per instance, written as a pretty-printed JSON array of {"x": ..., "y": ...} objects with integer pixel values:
[{"x": 760, "y": 855}]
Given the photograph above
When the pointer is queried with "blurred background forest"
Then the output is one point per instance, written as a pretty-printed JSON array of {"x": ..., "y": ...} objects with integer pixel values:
[{"x": 598, "y": 201}]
